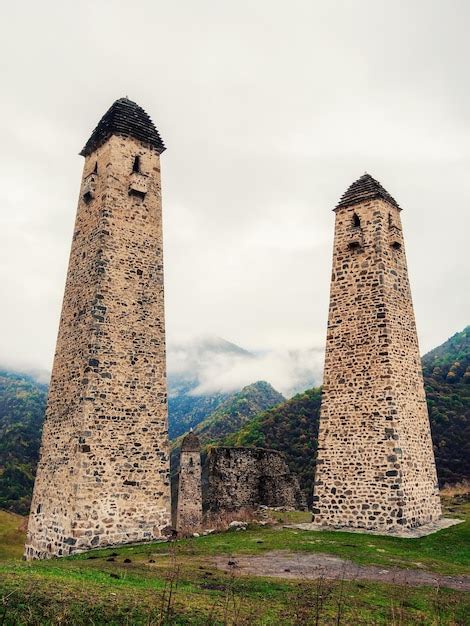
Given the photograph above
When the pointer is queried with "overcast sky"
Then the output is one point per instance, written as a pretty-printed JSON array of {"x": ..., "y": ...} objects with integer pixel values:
[{"x": 269, "y": 111}]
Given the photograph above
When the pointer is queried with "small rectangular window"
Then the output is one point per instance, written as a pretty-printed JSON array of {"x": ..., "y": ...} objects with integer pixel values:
[
  {"x": 136, "y": 193},
  {"x": 136, "y": 165},
  {"x": 354, "y": 245}
]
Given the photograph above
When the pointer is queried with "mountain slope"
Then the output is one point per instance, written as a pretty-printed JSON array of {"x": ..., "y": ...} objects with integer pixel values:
[
  {"x": 237, "y": 409},
  {"x": 450, "y": 362},
  {"x": 22, "y": 404},
  {"x": 446, "y": 372},
  {"x": 233, "y": 413},
  {"x": 186, "y": 409}
]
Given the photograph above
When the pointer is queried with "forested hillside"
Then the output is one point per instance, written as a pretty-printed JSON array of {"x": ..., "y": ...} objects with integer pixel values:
[
  {"x": 236, "y": 410},
  {"x": 450, "y": 362},
  {"x": 447, "y": 379},
  {"x": 186, "y": 410},
  {"x": 232, "y": 414},
  {"x": 22, "y": 404}
]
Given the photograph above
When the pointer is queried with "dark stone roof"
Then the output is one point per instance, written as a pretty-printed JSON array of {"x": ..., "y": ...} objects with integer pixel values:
[
  {"x": 128, "y": 119},
  {"x": 191, "y": 443},
  {"x": 364, "y": 189}
]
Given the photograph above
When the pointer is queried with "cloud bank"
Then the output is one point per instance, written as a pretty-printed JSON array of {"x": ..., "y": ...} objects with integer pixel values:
[{"x": 214, "y": 365}]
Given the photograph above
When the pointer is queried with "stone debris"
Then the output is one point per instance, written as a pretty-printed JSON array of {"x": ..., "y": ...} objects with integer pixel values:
[{"x": 237, "y": 525}]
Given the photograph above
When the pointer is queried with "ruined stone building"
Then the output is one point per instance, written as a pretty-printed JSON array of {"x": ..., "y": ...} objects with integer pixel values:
[
  {"x": 375, "y": 466},
  {"x": 189, "y": 506},
  {"x": 240, "y": 478},
  {"x": 103, "y": 475}
]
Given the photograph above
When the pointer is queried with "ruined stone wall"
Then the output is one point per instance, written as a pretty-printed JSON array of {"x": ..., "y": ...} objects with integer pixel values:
[
  {"x": 103, "y": 475},
  {"x": 250, "y": 477},
  {"x": 375, "y": 466}
]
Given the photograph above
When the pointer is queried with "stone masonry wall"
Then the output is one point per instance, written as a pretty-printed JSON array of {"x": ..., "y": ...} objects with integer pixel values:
[
  {"x": 250, "y": 477},
  {"x": 103, "y": 475},
  {"x": 375, "y": 466}
]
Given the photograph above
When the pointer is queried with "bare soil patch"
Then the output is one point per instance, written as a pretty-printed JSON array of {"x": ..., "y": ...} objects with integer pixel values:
[{"x": 312, "y": 566}]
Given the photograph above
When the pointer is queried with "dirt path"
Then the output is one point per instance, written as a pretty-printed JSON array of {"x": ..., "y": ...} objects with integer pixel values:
[{"x": 310, "y": 566}]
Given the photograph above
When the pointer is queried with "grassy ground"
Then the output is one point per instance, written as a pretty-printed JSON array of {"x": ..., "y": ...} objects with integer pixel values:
[
  {"x": 178, "y": 584},
  {"x": 11, "y": 536}
]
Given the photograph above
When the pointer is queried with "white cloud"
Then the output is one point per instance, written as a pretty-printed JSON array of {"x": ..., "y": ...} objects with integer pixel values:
[
  {"x": 215, "y": 365},
  {"x": 288, "y": 372}
]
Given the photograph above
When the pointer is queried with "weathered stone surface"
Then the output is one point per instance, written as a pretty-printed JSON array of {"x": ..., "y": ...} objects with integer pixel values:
[
  {"x": 103, "y": 475},
  {"x": 189, "y": 507},
  {"x": 375, "y": 466},
  {"x": 250, "y": 477}
]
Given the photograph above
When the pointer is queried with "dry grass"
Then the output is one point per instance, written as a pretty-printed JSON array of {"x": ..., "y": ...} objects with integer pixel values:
[
  {"x": 221, "y": 521},
  {"x": 459, "y": 489}
]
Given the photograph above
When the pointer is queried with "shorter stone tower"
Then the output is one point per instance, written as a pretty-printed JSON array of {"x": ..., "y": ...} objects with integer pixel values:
[{"x": 189, "y": 508}]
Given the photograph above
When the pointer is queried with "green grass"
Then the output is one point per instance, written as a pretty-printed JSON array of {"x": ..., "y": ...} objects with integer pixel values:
[
  {"x": 11, "y": 536},
  {"x": 90, "y": 589},
  {"x": 444, "y": 552},
  {"x": 87, "y": 594},
  {"x": 290, "y": 517}
]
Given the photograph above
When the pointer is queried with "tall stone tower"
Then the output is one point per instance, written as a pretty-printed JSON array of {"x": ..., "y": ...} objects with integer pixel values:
[
  {"x": 103, "y": 475},
  {"x": 375, "y": 466},
  {"x": 189, "y": 507}
]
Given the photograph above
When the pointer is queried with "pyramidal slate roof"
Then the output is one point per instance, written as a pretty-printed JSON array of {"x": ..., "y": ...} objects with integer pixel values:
[
  {"x": 364, "y": 189},
  {"x": 128, "y": 119},
  {"x": 190, "y": 443}
]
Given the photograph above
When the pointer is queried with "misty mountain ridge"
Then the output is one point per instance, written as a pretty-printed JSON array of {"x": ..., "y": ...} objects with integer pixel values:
[{"x": 254, "y": 414}]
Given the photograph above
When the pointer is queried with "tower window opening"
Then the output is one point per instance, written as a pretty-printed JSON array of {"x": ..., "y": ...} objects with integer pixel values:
[
  {"x": 87, "y": 197},
  {"x": 356, "y": 221},
  {"x": 137, "y": 193},
  {"x": 390, "y": 221},
  {"x": 354, "y": 245},
  {"x": 136, "y": 165},
  {"x": 95, "y": 169},
  {"x": 396, "y": 245}
]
